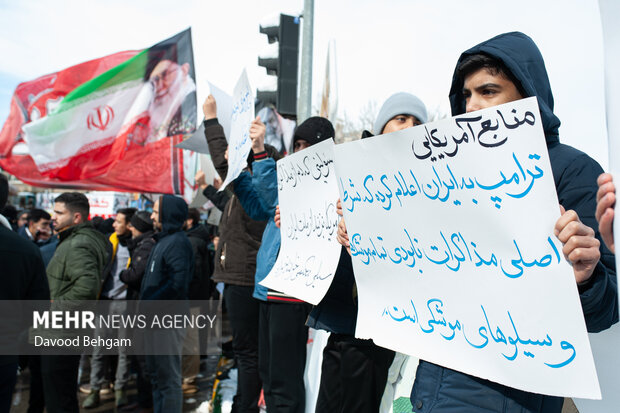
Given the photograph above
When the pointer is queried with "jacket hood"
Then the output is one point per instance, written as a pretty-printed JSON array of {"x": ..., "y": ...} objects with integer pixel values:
[
  {"x": 521, "y": 56},
  {"x": 172, "y": 213}
]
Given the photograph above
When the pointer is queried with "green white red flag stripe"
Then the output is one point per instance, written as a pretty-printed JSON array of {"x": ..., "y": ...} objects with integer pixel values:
[{"x": 110, "y": 123}]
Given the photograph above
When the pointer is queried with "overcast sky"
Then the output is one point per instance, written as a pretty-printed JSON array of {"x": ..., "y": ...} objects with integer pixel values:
[{"x": 382, "y": 47}]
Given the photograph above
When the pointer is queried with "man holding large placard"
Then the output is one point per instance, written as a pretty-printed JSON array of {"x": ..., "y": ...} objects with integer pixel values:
[
  {"x": 497, "y": 72},
  {"x": 500, "y": 70}
]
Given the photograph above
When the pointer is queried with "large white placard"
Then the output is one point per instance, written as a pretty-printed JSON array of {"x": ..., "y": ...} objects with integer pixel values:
[
  {"x": 451, "y": 228},
  {"x": 224, "y": 107},
  {"x": 309, "y": 252},
  {"x": 239, "y": 142}
]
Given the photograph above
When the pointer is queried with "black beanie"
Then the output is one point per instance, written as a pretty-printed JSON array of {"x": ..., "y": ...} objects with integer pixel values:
[
  {"x": 142, "y": 221},
  {"x": 314, "y": 130}
]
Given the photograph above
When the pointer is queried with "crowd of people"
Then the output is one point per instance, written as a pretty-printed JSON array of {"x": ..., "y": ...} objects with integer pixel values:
[{"x": 168, "y": 255}]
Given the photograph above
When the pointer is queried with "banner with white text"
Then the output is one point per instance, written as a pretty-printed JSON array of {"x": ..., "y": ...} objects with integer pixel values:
[
  {"x": 309, "y": 252},
  {"x": 451, "y": 227}
]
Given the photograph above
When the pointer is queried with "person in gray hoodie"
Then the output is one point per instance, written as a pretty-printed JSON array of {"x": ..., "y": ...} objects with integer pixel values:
[{"x": 354, "y": 371}]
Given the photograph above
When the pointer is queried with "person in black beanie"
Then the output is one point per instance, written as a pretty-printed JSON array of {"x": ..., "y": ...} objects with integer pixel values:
[
  {"x": 283, "y": 334},
  {"x": 140, "y": 246},
  {"x": 235, "y": 266},
  {"x": 312, "y": 131}
]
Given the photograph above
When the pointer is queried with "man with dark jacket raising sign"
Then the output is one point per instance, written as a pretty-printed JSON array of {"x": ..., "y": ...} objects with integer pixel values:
[{"x": 235, "y": 265}]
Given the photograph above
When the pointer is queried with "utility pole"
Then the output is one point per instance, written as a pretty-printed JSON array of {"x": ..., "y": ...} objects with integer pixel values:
[{"x": 304, "y": 104}]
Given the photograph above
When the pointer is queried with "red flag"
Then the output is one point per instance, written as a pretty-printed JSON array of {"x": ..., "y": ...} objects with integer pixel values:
[{"x": 110, "y": 123}]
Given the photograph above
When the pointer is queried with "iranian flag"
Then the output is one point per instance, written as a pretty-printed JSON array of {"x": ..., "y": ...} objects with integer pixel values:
[{"x": 110, "y": 123}]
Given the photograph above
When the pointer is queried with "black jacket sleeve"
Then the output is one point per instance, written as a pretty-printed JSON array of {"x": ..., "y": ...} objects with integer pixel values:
[
  {"x": 132, "y": 276},
  {"x": 38, "y": 288},
  {"x": 219, "y": 199},
  {"x": 217, "y": 146},
  {"x": 575, "y": 175}
]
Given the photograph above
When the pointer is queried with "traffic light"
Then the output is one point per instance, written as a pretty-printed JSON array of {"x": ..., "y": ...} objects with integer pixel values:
[{"x": 281, "y": 61}]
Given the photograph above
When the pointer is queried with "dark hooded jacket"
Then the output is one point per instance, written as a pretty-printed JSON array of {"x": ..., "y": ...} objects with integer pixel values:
[
  {"x": 23, "y": 278},
  {"x": 438, "y": 389},
  {"x": 170, "y": 267},
  {"x": 139, "y": 250},
  {"x": 201, "y": 286}
]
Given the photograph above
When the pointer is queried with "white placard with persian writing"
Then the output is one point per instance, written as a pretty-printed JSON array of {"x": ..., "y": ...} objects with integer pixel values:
[
  {"x": 309, "y": 251},
  {"x": 239, "y": 142},
  {"x": 451, "y": 228}
]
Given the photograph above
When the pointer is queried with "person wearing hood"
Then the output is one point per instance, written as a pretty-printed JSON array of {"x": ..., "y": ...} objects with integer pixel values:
[
  {"x": 169, "y": 271},
  {"x": 354, "y": 372},
  {"x": 500, "y": 70}
]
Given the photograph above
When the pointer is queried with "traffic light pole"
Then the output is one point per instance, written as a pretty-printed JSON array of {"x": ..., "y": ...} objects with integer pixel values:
[{"x": 304, "y": 103}]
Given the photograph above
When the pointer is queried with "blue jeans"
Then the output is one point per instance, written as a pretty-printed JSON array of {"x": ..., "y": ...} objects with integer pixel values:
[{"x": 164, "y": 370}]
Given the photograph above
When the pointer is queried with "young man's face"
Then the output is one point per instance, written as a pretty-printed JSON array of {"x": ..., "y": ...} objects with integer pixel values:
[
  {"x": 134, "y": 231},
  {"x": 63, "y": 218},
  {"x": 400, "y": 122},
  {"x": 300, "y": 144},
  {"x": 482, "y": 90},
  {"x": 120, "y": 224},
  {"x": 155, "y": 215},
  {"x": 42, "y": 228}
]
